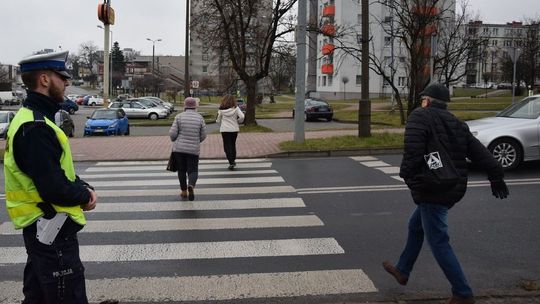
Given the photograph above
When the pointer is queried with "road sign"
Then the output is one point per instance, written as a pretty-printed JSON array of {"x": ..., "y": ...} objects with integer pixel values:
[{"x": 195, "y": 84}]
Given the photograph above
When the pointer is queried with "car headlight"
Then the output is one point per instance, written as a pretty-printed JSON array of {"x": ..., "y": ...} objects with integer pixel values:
[
  {"x": 2, "y": 129},
  {"x": 86, "y": 125},
  {"x": 114, "y": 125}
]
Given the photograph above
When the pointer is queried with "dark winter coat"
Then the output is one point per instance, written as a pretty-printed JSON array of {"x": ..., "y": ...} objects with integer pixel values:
[{"x": 453, "y": 134}]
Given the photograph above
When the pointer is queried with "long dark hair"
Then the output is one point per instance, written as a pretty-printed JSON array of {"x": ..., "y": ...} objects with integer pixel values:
[{"x": 228, "y": 101}]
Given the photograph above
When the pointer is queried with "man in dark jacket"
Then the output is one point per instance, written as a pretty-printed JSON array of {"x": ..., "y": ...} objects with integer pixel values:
[{"x": 430, "y": 216}]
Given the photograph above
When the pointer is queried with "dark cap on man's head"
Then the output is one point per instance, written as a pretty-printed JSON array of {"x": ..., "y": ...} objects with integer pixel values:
[
  {"x": 437, "y": 91},
  {"x": 55, "y": 61}
]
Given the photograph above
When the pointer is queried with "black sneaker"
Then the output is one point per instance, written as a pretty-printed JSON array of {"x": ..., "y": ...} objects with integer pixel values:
[
  {"x": 191, "y": 194},
  {"x": 231, "y": 167}
]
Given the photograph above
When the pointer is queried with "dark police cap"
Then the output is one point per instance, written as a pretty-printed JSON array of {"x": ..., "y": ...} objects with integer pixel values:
[
  {"x": 55, "y": 61},
  {"x": 437, "y": 91}
]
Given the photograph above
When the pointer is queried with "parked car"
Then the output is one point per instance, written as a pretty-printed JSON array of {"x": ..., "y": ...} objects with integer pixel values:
[
  {"x": 317, "y": 108},
  {"x": 241, "y": 104},
  {"x": 152, "y": 103},
  {"x": 64, "y": 121},
  {"x": 9, "y": 98},
  {"x": 107, "y": 122},
  {"x": 94, "y": 100},
  {"x": 162, "y": 102},
  {"x": 504, "y": 86},
  {"x": 135, "y": 109},
  {"x": 69, "y": 106},
  {"x": 513, "y": 135},
  {"x": 5, "y": 120}
]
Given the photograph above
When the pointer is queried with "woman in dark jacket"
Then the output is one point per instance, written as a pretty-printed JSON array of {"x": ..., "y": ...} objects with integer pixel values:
[{"x": 430, "y": 216}]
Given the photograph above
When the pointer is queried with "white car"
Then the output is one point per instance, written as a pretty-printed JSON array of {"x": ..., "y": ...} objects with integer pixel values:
[
  {"x": 513, "y": 135},
  {"x": 5, "y": 120},
  {"x": 95, "y": 100}
]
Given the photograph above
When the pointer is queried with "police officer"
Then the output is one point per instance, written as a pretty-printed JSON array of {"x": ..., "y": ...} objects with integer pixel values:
[{"x": 44, "y": 197}]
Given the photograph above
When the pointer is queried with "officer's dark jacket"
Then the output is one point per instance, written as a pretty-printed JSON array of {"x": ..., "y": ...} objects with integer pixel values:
[
  {"x": 455, "y": 135},
  {"x": 37, "y": 153}
]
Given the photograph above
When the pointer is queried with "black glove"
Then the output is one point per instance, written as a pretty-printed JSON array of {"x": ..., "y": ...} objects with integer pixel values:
[{"x": 499, "y": 189}]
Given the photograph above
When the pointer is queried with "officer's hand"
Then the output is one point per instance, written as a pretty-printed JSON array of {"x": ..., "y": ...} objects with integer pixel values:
[
  {"x": 499, "y": 189},
  {"x": 92, "y": 203}
]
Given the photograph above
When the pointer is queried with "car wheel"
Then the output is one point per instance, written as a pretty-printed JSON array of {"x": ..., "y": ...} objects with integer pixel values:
[
  {"x": 71, "y": 111},
  {"x": 93, "y": 104},
  {"x": 507, "y": 152},
  {"x": 153, "y": 116},
  {"x": 329, "y": 118},
  {"x": 127, "y": 131}
]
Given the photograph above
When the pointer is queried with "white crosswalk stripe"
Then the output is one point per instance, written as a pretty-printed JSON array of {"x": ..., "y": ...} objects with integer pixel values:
[{"x": 140, "y": 198}]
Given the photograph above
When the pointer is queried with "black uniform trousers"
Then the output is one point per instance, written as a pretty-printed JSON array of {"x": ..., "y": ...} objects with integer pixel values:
[
  {"x": 229, "y": 146},
  {"x": 54, "y": 274}
]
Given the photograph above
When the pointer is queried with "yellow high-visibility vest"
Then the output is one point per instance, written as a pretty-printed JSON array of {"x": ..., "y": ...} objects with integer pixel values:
[{"x": 22, "y": 196}]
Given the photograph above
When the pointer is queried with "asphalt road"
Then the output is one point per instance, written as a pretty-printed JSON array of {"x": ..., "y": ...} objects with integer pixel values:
[{"x": 286, "y": 231}]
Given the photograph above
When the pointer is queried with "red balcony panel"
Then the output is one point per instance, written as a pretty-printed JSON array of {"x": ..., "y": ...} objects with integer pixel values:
[
  {"x": 327, "y": 68},
  {"x": 426, "y": 10},
  {"x": 429, "y": 30},
  {"x": 329, "y": 11},
  {"x": 328, "y": 49},
  {"x": 328, "y": 29}
]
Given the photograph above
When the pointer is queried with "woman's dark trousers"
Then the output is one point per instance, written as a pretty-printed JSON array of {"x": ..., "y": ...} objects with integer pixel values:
[
  {"x": 229, "y": 145},
  {"x": 188, "y": 165}
]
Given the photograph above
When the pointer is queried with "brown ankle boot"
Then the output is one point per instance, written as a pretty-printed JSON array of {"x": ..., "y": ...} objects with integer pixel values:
[
  {"x": 391, "y": 269},
  {"x": 183, "y": 194},
  {"x": 460, "y": 300}
]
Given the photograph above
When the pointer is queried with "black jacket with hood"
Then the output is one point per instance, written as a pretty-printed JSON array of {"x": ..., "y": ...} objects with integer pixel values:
[{"x": 453, "y": 134}]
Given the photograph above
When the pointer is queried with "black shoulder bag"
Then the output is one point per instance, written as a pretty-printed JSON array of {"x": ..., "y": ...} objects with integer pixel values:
[{"x": 438, "y": 171}]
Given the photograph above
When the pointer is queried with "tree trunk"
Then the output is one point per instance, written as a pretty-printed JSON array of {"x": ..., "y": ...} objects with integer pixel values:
[{"x": 251, "y": 87}]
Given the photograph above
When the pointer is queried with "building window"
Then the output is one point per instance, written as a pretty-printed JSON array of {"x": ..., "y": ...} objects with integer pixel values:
[
  {"x": 205, "y": 69},
  {"x": 205, "y": 56},
  {"x": 387, "y": 40},
  {"x": 330, "y": 80},
  {"x": 485, "y": 31},
  {"x": 359, "y": 19},
  {"x": 402, "y": 81},
  {"x": 358, "y": 80},
  {"x": 359, "y": 39},
  {"x": 495, "y": 31},
  {"x": 324, "y": 81}
]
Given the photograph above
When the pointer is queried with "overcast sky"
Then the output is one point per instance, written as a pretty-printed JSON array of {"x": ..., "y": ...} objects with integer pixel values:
[{"x": 27, "y": 26}]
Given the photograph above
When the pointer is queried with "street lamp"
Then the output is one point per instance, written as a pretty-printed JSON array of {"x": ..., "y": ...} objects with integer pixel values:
[
  {"x": 153, "y": 51},
  {"x": 110, "y": 60}
]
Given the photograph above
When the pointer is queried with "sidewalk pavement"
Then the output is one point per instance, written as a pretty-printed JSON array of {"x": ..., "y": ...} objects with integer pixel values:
[{"x": 248, "y": 145}]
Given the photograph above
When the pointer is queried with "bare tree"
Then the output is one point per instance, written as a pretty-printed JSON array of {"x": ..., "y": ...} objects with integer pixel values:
[
  {"x": 244, "y": 33},
  {"x": 88, "y": 60},
  {"x": 456, "y": 47},
  {"x": 207, "y": 84},
  {"x": 283, "y": 67}
]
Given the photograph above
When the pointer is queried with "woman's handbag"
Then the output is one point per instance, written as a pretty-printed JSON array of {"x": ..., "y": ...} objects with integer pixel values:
[
  {"x": 171, "y": 165},
  {"x": 438, "y": 172}
]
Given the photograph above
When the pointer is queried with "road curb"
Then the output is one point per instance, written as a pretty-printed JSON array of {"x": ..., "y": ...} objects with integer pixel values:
[{"x": 334, "y": 153}]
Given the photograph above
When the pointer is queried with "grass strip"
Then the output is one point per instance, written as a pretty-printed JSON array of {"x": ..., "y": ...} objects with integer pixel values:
[{"x": 347, "y": 142}]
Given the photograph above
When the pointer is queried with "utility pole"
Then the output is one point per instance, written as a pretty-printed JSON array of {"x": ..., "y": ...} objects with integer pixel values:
[
  {"x": 364, "y": 106},
  {"x": 187, "y": 84},
  {"x": 107, "y": 16},
  {"x": 299, "y": 135},
  {"x": 153, "y": 54}
]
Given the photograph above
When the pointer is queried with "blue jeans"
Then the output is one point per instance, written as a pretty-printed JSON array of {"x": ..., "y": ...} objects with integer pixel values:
[{"x": 431, "y": 220}]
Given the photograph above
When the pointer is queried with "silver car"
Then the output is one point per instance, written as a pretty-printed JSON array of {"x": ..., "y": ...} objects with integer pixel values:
[
  {"x": 513, "y": 135},
  {"x": 135, "y": 109},
  {"x": 5, "y": 120}
]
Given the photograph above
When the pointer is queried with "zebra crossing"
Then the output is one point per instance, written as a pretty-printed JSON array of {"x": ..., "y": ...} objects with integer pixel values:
[
  {"x": 375, "y": 163},
  {"x": 247, "y": 235}
]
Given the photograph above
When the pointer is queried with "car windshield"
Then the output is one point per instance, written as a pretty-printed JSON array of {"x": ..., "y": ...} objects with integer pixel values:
[
  {"x": 104, "y": 115},
  {"x": 3, "y": 117},
  {"x": 527, "y": 108}
]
